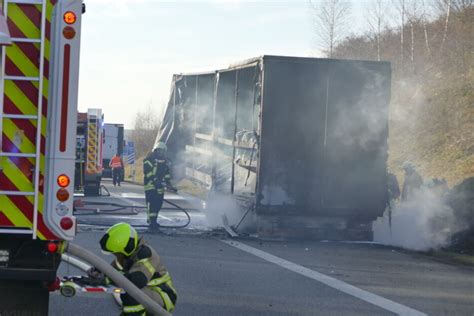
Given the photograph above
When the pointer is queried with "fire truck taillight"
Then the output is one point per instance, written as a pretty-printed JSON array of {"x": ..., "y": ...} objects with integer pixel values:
[
  {"x": 69, "y": 32},
  {"x": 55, "y": 285},
  {"x": 66, "y": 223},
  {"x": 62, "y": 209},
  {"x": 70, "y": 17},
  {"x": 52, "y": 247},
  {"x": 63, "y": 180},
  {"x": 62, "y": 195}
]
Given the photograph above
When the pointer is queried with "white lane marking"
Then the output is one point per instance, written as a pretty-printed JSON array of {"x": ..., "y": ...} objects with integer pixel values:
[
  {"x": 329, "y": 281},
  {"x": 352, "y": 242},
  {"x": 164, "y": 217},
  {"x": 173, "y": 196},
  {"x": 131, "y": 195}
]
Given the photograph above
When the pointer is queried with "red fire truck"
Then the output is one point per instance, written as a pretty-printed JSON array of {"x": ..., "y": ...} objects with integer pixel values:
[
  {"x": 89, "y": 144},
  {"x": 38, "y": 112}
]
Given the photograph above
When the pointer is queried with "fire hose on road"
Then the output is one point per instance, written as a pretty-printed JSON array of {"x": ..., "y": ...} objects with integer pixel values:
[{"x": 119, "y": 207}]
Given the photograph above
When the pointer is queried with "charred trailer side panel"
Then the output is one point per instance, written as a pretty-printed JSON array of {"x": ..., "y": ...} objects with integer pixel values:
[
  {"x": 211, "y": 127},
  {"x": 323, "y": 155},
  {"x": 302, "y": 142}
]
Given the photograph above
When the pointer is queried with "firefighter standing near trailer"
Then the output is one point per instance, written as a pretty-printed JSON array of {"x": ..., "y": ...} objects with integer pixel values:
[
  {"x": 157, "y": 177},
  {"x": 412, "y": 183},
  {"x": 116, "y": 163},
  {"x": 141, "y": 265}
]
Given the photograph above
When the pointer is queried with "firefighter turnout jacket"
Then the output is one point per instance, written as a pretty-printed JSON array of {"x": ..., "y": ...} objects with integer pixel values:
[
  {"x": 156, "y": 173},
  {"x": 145, "y": 269}
]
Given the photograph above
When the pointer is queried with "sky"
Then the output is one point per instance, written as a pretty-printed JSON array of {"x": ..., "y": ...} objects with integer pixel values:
[{"x": 131, "y": 48}]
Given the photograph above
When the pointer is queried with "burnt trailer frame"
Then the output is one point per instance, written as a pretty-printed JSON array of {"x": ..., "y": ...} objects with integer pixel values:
[{"x": 300, "y": 141}]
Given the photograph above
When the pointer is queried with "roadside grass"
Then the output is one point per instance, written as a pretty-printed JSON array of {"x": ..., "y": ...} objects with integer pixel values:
[
  {"x": 138, "y": 168},
  {"x": 432, "y": 126},
  {"x": 184, "y": 185},
  {"x": 191, "y": 188}
]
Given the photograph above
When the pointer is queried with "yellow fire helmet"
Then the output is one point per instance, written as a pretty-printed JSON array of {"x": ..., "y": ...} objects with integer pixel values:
[{"x": 120, "y": 238}]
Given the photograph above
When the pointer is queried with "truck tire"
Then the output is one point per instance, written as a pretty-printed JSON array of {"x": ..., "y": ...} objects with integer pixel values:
[{"x": 14, "y": 294}]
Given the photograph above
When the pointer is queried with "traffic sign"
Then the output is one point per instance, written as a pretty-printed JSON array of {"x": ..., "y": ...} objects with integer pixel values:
[
  {"x": 131, "y": 158},
  {"x": 131, "y": 147}
]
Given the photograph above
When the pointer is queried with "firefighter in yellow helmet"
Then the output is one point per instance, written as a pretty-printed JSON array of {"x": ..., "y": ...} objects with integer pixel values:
[
  {"x": 141, "y": 265},
  {"x": 157, "y": 177}
]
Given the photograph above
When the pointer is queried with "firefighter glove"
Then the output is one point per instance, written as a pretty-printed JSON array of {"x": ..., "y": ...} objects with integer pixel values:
[{"x": 96, "y": 276}]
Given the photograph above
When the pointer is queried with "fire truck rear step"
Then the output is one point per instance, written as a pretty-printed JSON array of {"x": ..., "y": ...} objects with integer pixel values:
[
  {"x": 26, "y": 40},
  {"x": 17, "y": 155},
  {"x": 22, "y": 78},
  {"x": 21, "y": 193}
]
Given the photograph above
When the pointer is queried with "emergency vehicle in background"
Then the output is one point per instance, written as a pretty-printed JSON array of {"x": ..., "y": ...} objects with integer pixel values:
[
  {"x": 89, "y": 142},
  {"x": 113, "y": 144},
  {"x": 39, "y": 82}
]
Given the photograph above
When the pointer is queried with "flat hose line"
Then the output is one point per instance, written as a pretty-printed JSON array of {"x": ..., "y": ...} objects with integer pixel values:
[{"x": 121, "y": 207}]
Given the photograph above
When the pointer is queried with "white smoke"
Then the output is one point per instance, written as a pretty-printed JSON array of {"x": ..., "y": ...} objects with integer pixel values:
[
  {"x": 423, "y": 223},
  {"x": 220, "y": 208}
]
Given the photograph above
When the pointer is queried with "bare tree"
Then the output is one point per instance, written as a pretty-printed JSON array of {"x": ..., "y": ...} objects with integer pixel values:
[
  {"x": 444, "y": 6},
  {"x": 462, "y": 5},
  {"x": 424, "y": 19},
  {"x": 376, "y": 20},
  {"x": 413, "y": 13},
  {"x": 331, "y": 17},
  {"x": 146, "y": 126},
  {"x": 463, "y": 11},
  {"x": 400, "y": 5}
]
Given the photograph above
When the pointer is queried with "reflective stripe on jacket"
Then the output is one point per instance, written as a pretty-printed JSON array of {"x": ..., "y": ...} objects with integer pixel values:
[
  {"x": 116, "y": 162},
  {"x": 156, "y": 174},
  {"x": 145, "y": 269}
]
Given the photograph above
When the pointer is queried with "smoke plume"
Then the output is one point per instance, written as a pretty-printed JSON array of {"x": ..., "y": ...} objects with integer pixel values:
[
  {"x": 423, "y": 223},
  {"x": 221, "y": 208}
]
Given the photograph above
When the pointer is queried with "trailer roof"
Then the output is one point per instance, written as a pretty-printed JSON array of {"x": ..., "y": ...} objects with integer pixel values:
[{"x": 255, "y": 60}]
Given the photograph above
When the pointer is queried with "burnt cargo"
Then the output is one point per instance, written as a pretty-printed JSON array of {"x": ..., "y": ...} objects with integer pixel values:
[{"x": 301, "y": 142}]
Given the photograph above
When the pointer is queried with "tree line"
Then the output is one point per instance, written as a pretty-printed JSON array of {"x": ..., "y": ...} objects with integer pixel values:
[
  {"x": 414, "y": 35},
  {"x": 430, "y": 45}
]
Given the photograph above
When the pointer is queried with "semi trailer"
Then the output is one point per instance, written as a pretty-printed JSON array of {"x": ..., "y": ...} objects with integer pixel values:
[{"x": 299, "y": 143}]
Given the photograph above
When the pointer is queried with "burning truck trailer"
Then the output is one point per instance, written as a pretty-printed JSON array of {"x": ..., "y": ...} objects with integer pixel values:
[{"x": 300, "y": 144}]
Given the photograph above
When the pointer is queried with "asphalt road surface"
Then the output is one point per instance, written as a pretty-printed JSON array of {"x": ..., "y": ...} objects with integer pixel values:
[{"x": 215, "y": 275}]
